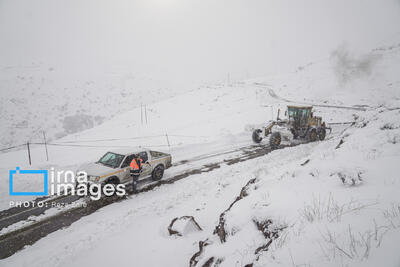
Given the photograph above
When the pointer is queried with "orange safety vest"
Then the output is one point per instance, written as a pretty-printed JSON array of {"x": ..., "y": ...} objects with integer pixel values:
[{"x": 134, "y": 165}]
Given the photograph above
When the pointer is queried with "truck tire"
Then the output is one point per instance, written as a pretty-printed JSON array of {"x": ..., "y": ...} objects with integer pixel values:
[
  {"x": 158, "y": 172},
  {"x": 294, "y": 133},
  {"x": 321, "y": 133},
  {"x": 256, "y": 136},
  {"x": 312, "y": 135},
  {"x": 275, "y": 140},
  {"x": 112, "y": 180}
]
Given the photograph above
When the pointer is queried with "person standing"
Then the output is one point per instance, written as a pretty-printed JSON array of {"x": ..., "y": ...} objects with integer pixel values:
[{"x": 136, "y": 168}]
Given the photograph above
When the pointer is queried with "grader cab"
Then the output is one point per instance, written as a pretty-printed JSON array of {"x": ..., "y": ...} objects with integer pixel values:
[{"x": 300, "y": 122}]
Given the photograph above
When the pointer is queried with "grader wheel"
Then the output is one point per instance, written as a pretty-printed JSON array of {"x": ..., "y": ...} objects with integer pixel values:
[
  {"x": 312, "y": 135},
  {"x": 275, "y": 140},
  {"x": 321, "y": 134},
  {"x": 257, "y": 136}
]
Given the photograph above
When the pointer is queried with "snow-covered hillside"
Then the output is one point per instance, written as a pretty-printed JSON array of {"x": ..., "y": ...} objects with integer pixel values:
[
  {"x": 330, "y": 203},
  {"x": 40, "y": 99},
  {"x": 336, "y": 205}
]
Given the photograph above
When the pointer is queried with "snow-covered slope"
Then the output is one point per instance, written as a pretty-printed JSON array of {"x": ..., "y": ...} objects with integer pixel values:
[
  {"x": 337, "y": 204},
  {"x": 40, "y": 99},
  {"x": 324, "y": 221},
  {"x": 320, "y": 204}
]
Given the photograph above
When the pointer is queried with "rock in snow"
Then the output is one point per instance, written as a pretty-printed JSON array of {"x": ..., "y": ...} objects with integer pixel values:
[{"x": 184, "y": 225}]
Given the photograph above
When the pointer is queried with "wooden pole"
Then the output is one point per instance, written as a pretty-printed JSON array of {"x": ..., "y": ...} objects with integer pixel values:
[
  {"x": 45, "y": 145},
  {"x": 29, "y": 153},
  {"x": 169, "y": 146}
]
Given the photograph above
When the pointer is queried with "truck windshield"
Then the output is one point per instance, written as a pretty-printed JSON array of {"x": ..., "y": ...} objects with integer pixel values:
[{"x": 111, "y": 159}]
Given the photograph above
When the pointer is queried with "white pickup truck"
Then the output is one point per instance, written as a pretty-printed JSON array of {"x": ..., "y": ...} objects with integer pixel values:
[{"x": 114, "y": 167}]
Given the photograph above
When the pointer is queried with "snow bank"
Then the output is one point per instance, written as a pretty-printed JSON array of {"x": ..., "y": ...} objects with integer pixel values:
[{"x": 341, "y": 207}]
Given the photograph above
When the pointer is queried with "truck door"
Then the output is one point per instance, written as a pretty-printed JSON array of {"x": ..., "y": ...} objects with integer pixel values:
[{"x": 146, "y": 167}]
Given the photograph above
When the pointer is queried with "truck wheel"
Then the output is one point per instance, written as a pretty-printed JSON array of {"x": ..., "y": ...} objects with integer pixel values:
[
  {"x": 157, "y": 173},
  {"x": 275, "y": 140},
  {"x": 321, "y": 134},
  {"x": 257, "y": 136},
  {"x": 294, "y": 133},
  {"x": 112, "y": 180},
  {"x": 312, "y": 135}
]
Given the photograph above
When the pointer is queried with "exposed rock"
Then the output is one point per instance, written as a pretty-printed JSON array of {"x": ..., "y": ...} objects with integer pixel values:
[
  {"x": 208, "y": 262},
  {"x": 305, "y": 162},
  {"x": 184, "y": 225},
  {"x": 220, "y": 229},
  {"x": 350, "y": 177},
  {"x": 340, "y": 143},
  {"x": 269, "y": 232},
  {"x": 268, "y": 229},
  {"x": 195, "y": 258}
]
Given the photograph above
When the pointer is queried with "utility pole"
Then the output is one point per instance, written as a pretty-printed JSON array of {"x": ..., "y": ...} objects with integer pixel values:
[
  {"x": 141, "y": 113},
  {"x": 145, "y": 112},
  {"x": 45, "y": 145},
  {"x": 169, "y": 146},
  {"x": 29, "y": 153}
]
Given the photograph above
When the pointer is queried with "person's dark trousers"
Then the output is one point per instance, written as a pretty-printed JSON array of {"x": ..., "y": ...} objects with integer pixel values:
[{"x": 135, "y": 178}]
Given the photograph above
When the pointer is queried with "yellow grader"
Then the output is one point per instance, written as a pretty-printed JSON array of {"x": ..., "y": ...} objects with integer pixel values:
[{"x": 300, "y": 122}]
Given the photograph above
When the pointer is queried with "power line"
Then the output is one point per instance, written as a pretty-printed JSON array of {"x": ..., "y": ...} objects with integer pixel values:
[
  {"x": 80, "y": 143},
  {"x": 8, "y": 148}
]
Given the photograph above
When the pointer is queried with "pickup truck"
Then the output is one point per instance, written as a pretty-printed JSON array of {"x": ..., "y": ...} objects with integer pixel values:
[{"x": 114, "y": 167}]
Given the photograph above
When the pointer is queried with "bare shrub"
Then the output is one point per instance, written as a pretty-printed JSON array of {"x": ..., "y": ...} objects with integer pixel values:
[
  {"x": 329, "y": 209},
  {"x": 392, "y": 214},
  {"x": 352, "y": 244},
  {"x": 358, "y": 244}
]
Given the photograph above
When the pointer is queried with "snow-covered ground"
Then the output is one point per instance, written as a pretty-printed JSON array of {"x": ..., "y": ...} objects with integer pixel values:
[{"x": 329, "y": 205}]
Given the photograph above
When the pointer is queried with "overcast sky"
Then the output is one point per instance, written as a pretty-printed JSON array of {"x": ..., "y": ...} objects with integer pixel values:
[{"x": 196, "y": 41}]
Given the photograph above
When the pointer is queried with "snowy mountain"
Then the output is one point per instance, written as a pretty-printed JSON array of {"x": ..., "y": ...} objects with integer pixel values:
[{"x": 326, "y": 203}]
